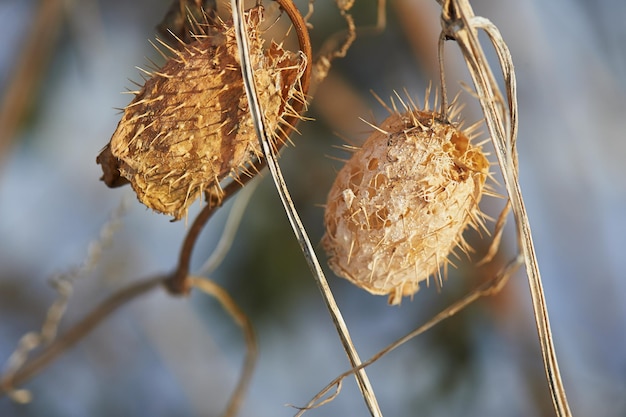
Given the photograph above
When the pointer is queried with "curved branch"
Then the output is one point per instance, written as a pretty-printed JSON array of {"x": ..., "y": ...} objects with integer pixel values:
[
  {"x": 243, "y": 321},
  {"x": 76, "y": 333}
]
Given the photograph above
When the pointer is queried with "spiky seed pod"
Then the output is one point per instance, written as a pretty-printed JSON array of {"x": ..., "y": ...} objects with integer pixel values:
[
  {"x": 189, "y": 127},
  {"x": 399, "y": 206}
]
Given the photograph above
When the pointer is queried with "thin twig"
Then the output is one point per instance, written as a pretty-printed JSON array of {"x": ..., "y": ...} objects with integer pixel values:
[
  {"x": 294, "y": 219},
  {"x": 488, "y": 288},
  {"x": 76, "y": 333},
  {"x": 242, "y": 320},
  {"x": 64, "y": 285},
  {"x": 304, "y": 44},
  {"x": 178, "y": 282}
]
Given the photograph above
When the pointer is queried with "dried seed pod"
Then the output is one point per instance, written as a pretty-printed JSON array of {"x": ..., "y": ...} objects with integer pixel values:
[
  {"x": 400, "y": 205},
  {"x": 189, "y": 127}
]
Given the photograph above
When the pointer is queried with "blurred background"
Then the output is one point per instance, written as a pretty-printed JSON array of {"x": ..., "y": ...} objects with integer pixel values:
[{"x": 163, "y": 356}]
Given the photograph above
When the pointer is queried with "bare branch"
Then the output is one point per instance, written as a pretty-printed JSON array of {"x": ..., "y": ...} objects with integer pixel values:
[{"x": 9, "y": 381}]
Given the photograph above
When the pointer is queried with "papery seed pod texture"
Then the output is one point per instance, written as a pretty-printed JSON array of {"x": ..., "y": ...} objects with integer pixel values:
[
  {"x": 189, "y": 126},
  {"x": 400, "y": 204}
]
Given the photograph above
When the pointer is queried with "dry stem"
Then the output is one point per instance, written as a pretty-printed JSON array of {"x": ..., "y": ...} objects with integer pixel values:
[
  {"x": 488, "y": 288},
  {"x": 303, "y": 239},
  {"x": 460, "y": 24},
  {"x": 178, "y": 282},
  {"x": 76, "y": 333}
]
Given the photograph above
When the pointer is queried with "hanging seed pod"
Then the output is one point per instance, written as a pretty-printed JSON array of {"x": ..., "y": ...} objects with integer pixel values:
[
  {"x": 400, "y": 205},
  {"x": 189, "y": 127}
]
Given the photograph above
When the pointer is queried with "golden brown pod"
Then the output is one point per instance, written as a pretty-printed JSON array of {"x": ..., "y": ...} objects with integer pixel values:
[
  {"x": 400, "y": 205},
  {"x": 188, "y": 127}
]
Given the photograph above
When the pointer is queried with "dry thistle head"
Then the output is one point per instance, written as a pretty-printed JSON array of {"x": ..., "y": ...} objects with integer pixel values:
[
  {"x": 399, "y": 206},
  {"x": 189, "y": 127}
]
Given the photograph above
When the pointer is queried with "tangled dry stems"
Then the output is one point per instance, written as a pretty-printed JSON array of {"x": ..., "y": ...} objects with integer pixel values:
[
  {"x": 179, "y": 282},
  {"x": 459, "y": 24}
]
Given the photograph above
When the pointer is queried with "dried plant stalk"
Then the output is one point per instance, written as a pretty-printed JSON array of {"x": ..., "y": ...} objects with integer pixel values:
[
  {"x": 76, "y": 333},
  {"x": 21, "y": 368},
  {"x": 260, "y": 125},
  {"x": 460, "y": 24},
  {"x": 490, "y": 287}
]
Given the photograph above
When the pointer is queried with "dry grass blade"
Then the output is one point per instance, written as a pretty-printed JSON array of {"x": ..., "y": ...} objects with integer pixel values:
[
  {"x": 460, "y": 24},
  {"x": 294, "y": 219}
]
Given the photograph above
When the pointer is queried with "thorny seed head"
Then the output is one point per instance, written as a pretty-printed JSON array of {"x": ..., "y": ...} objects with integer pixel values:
[
  {"x": 399, "y": 206},
  {"x": 188, "y": 127}
]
